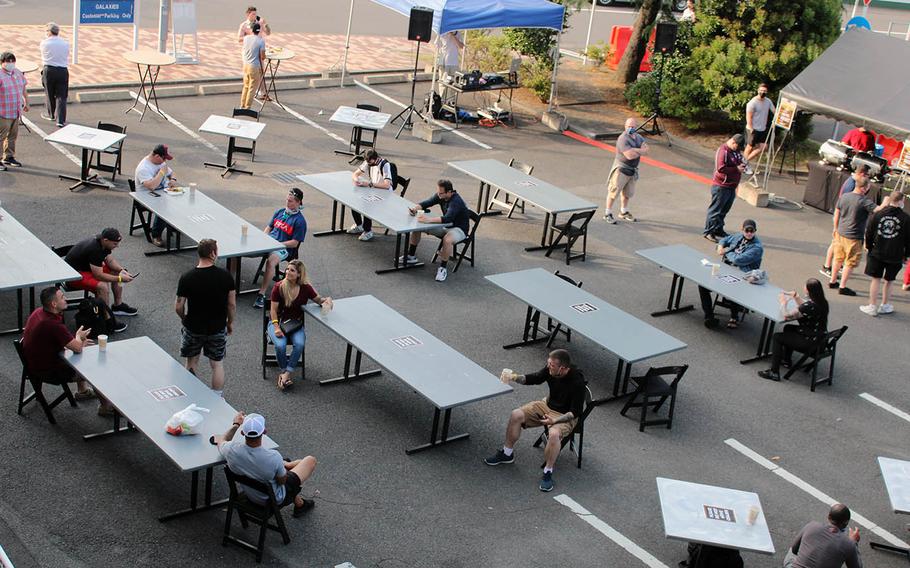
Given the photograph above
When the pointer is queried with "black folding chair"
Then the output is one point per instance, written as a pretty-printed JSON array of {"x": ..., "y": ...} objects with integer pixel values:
[
  {"x": 250, "y": 113},
  {"x": 145, "y": 216},
  {"x": 824, "y": 349},
  {"x": 653, "y": 390},
  {"x": 252, "y": 512},
  {"x": 279, "y": 274},
  {"x": 466, "y": 244},
  {"x": 575, "y": 445},
  {"x": 269, "y": 359},
  {"x": 115, "y": 150},
  {"x": 505, "y": 203},
  {"x": 357, "y": 142},
  {"x": 573, "y": 229},
  {"x": 37, "y": 392}
]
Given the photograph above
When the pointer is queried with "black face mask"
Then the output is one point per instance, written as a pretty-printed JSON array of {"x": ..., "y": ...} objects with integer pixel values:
[{"x": 762, "y": 95}]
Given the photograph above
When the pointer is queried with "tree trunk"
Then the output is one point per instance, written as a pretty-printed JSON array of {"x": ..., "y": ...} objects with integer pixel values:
[{"x": 627, "y": 72}]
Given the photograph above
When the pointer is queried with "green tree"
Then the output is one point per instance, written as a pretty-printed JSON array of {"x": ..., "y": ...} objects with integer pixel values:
[
  {"x": 537, "y": 42},
  {"x": 627, "y": 72}
]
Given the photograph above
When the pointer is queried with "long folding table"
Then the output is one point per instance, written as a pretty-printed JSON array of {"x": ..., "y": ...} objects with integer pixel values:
[
  {"x": 147, "y": 386},
  {"x": 26, "y": 262},
  {"x": 198, "y": 216},
  {"x": 233, "y": 128},
  {"x": 896, "y": 476},
  {"x": 380, "y": 205},
  {"x": 438, "y": 373},
  {"x": 547, "y": 197},
  {"x": 626, "y": 336},
  {"x": 88, "y": 140},
  {"x": 685, "y": 262}
]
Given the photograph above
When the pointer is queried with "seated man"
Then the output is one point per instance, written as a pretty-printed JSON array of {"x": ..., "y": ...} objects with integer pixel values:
[
  {"x": 288, "y": 227},
  {"x": 250, "y": 459},
  {"x": 559, "y": 411},
  {"x": 100, "y": 272},
  {"x": 44, "y": 339},
  {"x": 829, "y": 545},
  {"x": 742, "y": 250},
  {"x": 454, "y": 212},
  {"x": 375, "y": 171},
  {"x": 153, "y": 173}
]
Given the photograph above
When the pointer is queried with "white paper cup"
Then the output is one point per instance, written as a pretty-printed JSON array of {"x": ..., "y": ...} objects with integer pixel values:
[
  {"x": 752, "y": 515},
  {"x": 102, "y": 343},
  {"x": 193, "y": 188},
  {"x": 325, "y": 308},
  {"x": 244, "y": 229},
  {"x": 715, "y": 269},
  {"x": 506, "y": 375}
]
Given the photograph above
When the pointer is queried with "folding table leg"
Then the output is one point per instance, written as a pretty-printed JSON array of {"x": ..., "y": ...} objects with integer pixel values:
[
  {"x": 532, "y": 333},
  {"x": 347, "y": 376},
  {"x": 116, "y": 430},
  {"x": 207, "y": 504},
  {"x": 337, "y": 221},
  {"x": 764, "y": 343},
  {"x": 400, "y": 249},
  {"x": 445, "y": 439},
  {"x": 673, "y": 306}
]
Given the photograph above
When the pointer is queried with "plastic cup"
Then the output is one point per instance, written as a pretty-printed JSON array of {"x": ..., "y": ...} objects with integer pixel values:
[
  {"x": 752, "y": 516},
  {"x": 193, "y": 188},
  {"x": 715, "y": 269},
  {"x": 244, "y": 230},
  {"x": 325, "y": 308},
  {"x": 506, "y": 375},
  {"x": 102, "y": 343}
]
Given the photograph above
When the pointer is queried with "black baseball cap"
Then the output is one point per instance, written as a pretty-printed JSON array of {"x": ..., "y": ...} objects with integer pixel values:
[
  {"x": 297, "y": 193},
  {"x": 749, "y": 224},
  {"x": 111, "y": 234},
  {"x": 161, "y": 150}
]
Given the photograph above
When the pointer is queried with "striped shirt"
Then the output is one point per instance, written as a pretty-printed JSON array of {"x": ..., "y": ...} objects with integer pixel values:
[{"x": 12, "y": 93}]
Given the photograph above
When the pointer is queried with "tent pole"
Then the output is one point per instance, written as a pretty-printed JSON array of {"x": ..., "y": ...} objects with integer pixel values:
[
  {"x": 555, "y": 67},
  {"x": 772, "y": 154},
  {"x": 347, "y": 44},
  {"x": 855, "y": 6},
  {"x": 584, "y": 60}
]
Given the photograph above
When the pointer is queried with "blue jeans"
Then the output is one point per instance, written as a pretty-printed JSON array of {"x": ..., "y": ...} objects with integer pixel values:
[
  {"x": 158, "y": 226},
  {"x": 298, "y": 340},
  {"x": 722, "y": 199}
]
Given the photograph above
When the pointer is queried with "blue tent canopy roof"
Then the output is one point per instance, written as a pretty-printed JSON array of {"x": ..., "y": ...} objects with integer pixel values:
[{"x": 449, "y": 15}]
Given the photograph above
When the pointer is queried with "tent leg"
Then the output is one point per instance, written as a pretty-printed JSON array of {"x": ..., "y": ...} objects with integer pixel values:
[
  {"x": 584, "y": 59},
  {"x": 347, "y": 44},
  {"x": 555, "y": 68}
]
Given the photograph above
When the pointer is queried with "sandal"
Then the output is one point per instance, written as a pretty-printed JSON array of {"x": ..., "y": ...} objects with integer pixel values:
[
  {"x": 732, "y": 324},
  {"x": 284, "y": 381}
]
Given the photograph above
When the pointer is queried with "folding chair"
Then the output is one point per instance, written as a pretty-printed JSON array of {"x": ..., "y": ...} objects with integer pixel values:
[
  {"x": 825, "y": 348},
  {"x": 279, "y": 274},
  {"x": 145, "y": 216},
  {"x": 115, "y": 150},
  {"x": 558, "y": 328},
  {"x": 357, "y": 142},
  {"x": 37, "y": 393},
  {"x": 465, "y": 244},
  {"x": 251, "y": 150},
  {"x": 653, "y": 386},
  {"x": 579, "y": 430},
  {"x": 519, "y": 203},
  {"x": 269, "y": 359},
  {"x": 573, "y": 229},
  {"x": 248, "y": 511}
]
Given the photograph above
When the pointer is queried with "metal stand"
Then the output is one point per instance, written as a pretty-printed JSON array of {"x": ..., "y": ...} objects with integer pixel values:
[
  {"x": 673, "y": 301},
  {"x": 347, "y": 376},
  {"x": 267, "y": 84},
  {"x": 654, "y": 120},
  {"x": 445, "y": 439},
  {"x": 228, "y": 166},
  {"x": 408, "y": 111},
  {"x": 148, "y": 95},
  {"x": 84, "y": 178},
  {"x": 194, "y": 498}
]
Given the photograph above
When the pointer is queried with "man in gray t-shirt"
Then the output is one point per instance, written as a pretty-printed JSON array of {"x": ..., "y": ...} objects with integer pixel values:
[
  {"x": 253, "y": 52},
  {"x": 630, "y": 147},
  {"x": 828, "y": 545},
  {"x": 759, "y": 111},
  {"x": 850, "y": 216}
]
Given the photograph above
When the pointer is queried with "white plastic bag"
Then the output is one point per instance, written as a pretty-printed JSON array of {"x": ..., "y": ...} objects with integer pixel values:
[{"x": 186, "y": 422}]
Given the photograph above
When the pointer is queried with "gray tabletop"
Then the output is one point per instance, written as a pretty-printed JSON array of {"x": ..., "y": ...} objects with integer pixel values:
[
  {"x": 613, "y": 329},
  {"x": 896, "y": 474},
  {"x": 360, "y": 117},
  {"x": 25, "y": 260},
  {"x": 85, "y": 137},
  {"x": 536, "y": 192},
  {"x": 687, "y": 262},
  {"x": 440, "y": 374},
  {"x": 712, "y": 515},
  {"x": 232, "y": 127},
  {"x": 200, "y": 217},
  {"x": 380, "y": 205},
  {"x": 147, "y": 386}
]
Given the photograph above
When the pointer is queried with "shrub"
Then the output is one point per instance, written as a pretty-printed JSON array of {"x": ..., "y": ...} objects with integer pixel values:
[
  {"x": 487, "y": 51},
  {"x": 536, "y": 75}
]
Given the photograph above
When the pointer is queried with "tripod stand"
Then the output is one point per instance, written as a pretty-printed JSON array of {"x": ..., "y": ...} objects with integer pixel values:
[
  {"x": 654, "y": 119},
  {"x": 408, "y": 111}
]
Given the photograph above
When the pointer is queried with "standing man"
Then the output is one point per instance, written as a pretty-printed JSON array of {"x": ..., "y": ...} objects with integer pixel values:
[
  {"x": 375, "y": 171},
  {"x": 246, "y": 26},
  {"x": 13, "y": 102},
  {"x": 449, "y": 46},
  {"x": 728, "y": 170},
  {"x": 759, "y": 111},
  {"x": 630, "y": 147},
  {"x": 827, "y": 545},
  {"x": 55, "y": 75},
  {"x": 153, "y": 173},
  {"x": 860, "y": 139},
  {"x": 253, "y": 63},
  {"x": 559, "y": 412},
  {"x": 288, "y": 227},
  {"x": 888, "y": 243},
  {"x": 101, "y": 273},
  {"x": 742, "y": 250},
  {"x": 850, "y": 216},
  {"x": 848, "y": 186},
  {"x": 454, "y": 212},
  {"x": 206, "y": 304}
]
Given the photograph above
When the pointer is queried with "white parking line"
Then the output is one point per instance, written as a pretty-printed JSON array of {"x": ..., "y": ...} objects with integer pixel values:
[
  {"x": 443, "y": 126},
  {"x": 191, "y": 133},
  {"x": 318, "y": 127},
  {"x": 610, "y": 532},
  {"x": 817, "y": 493},
  {"x": 62, "y": 149},
  {"x": 882, "y": 404}
]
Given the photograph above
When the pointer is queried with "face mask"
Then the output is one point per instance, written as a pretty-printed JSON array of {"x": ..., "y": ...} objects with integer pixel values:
[
  {"x": 762, "y": 95},
  {"x": 9, "y": 67},
  {"x": 631, "y": 130}
]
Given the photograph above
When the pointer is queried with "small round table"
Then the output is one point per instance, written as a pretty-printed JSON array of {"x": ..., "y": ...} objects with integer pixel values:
[
  {"x": 273, "y": 56},
  {"x": 145, "y": 59}
]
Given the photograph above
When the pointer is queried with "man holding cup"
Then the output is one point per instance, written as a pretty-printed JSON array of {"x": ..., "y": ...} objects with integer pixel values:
[
  {"x": 153, "y": 173},
  {"x": 558, "y": 412}
]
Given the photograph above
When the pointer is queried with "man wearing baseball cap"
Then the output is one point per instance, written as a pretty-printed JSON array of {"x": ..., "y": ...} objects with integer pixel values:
[
  {"x": 249, "y": 458},
  {"x": 153, "y": 173},
  {"x": 101, "y": 274},
  {"x": 744, "y": 251}
]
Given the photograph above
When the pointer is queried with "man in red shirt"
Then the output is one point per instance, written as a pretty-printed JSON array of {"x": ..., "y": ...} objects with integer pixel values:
[
  {"x": 860, "y": 139},
  {"x": 729, "y": 166}
]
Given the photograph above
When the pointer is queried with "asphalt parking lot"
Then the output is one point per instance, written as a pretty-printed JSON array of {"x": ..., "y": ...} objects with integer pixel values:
[{"x": 67, "y": 503}]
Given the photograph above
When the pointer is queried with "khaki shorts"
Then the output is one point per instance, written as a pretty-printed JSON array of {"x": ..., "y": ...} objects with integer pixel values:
[
  {"x": 620, "y": 182},
  {"x": 848, "y": 251},
  {"x": 538, "y": 408}
]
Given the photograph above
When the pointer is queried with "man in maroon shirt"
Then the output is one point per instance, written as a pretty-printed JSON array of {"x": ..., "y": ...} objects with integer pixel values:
[
  {"x": 860, "y": 139},
  {"x": 729, "y": 166}
]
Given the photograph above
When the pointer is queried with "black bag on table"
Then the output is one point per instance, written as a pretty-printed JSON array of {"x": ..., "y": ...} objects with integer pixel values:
[{"x": 96, "y": 315}]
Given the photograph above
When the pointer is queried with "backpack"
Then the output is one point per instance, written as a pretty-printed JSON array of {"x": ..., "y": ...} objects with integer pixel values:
[
  {"x": 95, "y": 315},
  {"x": 433, "y": 104},
  {"x": 393, "y": 170}
]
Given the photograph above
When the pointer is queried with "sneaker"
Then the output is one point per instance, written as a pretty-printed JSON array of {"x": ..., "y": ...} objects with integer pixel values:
[
  {"x": 354, "y": 229},
  {"x": 710, "y": 237},
  {"x": 770, "y": 375},
  {"x": 12, "y": 162},
  {"x": 546, "y": 482},
  {"x": 407, "y": 259},
  {"x": 608, "y": 217},
  {"x": 748, "y": 171},
  {"x": 259, "y": 303},
  {"x": 46, "y": 117},
  {"x": 721, "y": 234},
  {"x": 627, "y": 216},
  {"x": 712, "y": 323},
  {"x": 124, "y": 309},
  {"x": 367, "y": 236},
  {"x": 441, "y": 274},
  {"x": 846, "y": 291},
  {"x": 87, "y": 394},
  {"x": 886, "y": 309},
  {"x": 158, "y": 242},
  {"x": 3, "y": 169},
  {"x": 60, "y": 125},
  {"x": 121, "y": 326},
  {"x": 825, "y": 271},
  {"x": 307, "y": 505},
  {"x": 833, "y": 285},
  {"x": 869, "y": 309},
  {"x": 499, "y": 457}
]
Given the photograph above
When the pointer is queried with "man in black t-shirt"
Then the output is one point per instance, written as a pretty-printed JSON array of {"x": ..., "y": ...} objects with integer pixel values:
[
  {"x": 559, "y": 412},
  {"x": 101, "y": 273},
  {"x": 206, "y": 303}
]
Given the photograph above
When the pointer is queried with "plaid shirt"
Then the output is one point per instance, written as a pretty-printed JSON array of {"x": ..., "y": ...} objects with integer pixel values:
[{"x": 12, "y": 93}]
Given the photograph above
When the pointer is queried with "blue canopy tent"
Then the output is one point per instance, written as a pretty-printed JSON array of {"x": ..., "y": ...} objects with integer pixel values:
[{"x": 451, "y": 15}]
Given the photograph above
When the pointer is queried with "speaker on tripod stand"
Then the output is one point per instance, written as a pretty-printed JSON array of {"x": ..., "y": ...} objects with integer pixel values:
[
  {"x": 419, "y": 29},
  {"x": 664, "y": 44}
]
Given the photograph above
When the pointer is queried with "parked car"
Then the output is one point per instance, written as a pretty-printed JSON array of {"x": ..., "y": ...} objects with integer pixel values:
[{"x": 675, "y": 5}]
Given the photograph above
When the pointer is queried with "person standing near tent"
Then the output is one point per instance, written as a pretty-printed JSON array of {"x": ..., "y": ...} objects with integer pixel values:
[
  {"x": 448, "y": 49},
  {"x": 728, "y": 170},
  {"x": 759, "y": 111}
]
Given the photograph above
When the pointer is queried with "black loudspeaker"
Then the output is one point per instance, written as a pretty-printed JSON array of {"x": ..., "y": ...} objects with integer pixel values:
[
  {"x": 665, "y": 38},
  {"x": 421, "y": 24}
]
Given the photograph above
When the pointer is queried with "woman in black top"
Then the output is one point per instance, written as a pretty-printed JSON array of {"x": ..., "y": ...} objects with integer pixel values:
[{"x": 811, "y": 315}]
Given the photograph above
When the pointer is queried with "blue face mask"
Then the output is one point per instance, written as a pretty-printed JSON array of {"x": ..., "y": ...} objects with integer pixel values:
[{"x": 632, "y": 130}]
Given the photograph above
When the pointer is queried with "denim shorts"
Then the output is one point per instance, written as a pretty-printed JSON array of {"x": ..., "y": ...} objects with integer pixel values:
[{"x": 212, "y": 346}]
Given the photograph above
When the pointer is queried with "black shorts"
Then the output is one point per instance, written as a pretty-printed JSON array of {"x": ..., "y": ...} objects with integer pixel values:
[
  {"x": 213, "y": 346},
  {"x": 756, "y": 137},
  {"x": 291, "y": 488},
  {"x": 875, "y": 268}
]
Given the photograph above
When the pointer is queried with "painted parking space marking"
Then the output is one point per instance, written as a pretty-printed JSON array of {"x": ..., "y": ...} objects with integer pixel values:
[
  {"x": 885, "y": 406},
  {"x": 189, "y": 132}
]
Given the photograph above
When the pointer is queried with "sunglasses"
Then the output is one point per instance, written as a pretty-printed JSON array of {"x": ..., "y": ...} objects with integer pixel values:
[{"x": 748, "y": 230}]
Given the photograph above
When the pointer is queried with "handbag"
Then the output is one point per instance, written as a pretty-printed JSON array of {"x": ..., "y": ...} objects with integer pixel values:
[{"x": 290, "y": 326}]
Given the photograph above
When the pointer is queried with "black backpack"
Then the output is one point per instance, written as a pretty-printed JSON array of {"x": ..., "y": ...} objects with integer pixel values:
[
  {"x": 433, "y": 104},
  {"x": 393, "y": 169},
  {"x": 96, "y": 315}
]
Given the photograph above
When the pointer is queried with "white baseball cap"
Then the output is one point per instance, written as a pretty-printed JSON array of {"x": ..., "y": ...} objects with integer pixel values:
[{"x": 253, "y": 426}]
